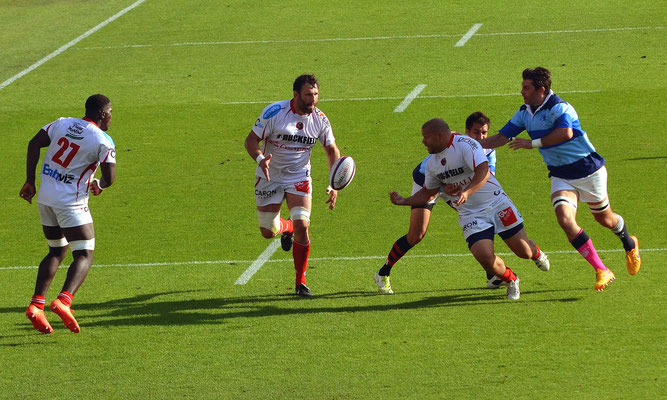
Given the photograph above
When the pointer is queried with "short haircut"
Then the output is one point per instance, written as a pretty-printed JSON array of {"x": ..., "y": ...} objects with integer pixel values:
[
  {"x": 477, "y": 117},
  {"x": 540, "y": 76},
  {"x": 436, "y": 125},
  {"x": 302, "y": 80},
  {"x": 96, "y": 103}
]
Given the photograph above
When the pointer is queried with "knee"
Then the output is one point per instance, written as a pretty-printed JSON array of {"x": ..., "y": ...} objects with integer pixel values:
[
  {"x": 606, "y": 220},
  {"x": 266, "y": 233},
  {"x": 58, "y": 253},
  {"x": 84, "y": 255}
]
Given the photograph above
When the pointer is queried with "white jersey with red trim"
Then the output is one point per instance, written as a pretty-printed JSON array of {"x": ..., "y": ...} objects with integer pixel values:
[
  {"x": 455, "y": 165},
  {"x": 290, "y": 138},
  {"x": 77, "y": 147}
]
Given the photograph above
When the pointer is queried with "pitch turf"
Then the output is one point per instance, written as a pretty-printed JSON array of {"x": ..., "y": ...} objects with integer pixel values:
[{"x": 160, "y": 314}]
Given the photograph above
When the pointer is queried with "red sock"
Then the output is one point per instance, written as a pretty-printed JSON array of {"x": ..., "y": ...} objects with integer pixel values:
[
  {"x": 537, "y": 254},
  {"x": 300, "y": 254},
  {"x": 38, "y": 301},
  {"x": 66, "y": 298},
  {"x": 508, "y": 275},
  {"x": 286, "y": 226}
]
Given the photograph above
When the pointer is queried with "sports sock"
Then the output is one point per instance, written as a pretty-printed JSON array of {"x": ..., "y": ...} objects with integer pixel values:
[
  {"x": 398, "y": 250},
  {"x": 508, "y": 275},
  {"x": 621, "y": 231},
  {"x": 286, "y": 226},
  {"x": 537, "y": 254},
  {"x": 489, "y": 275},
  {"x": 38, "y": 301},
  {"x": 300, "y": 254},
  {"x": 584, "y": 246},
  {"x": 66, "y": 298}
]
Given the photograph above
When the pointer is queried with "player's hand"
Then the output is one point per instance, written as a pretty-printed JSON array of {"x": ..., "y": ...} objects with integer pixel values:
[
  {"x": 396, "y": 198},
  {"x": 27, "y": 192},
  {"x": 95, "y": 188},
  {"x": 463, "y": 197},
  {"x": 264, "y": 166},
  {"x": 521, "y": 143},
  {"x": 451, "y": 190},
  {"x": 333, "y": 195}
]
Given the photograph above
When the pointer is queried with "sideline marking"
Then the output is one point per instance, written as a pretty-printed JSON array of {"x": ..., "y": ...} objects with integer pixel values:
[
  {"x": 68, "y": 45},
  {"x": 408, "y": 99},
  {"x": 453, "y": 96},
  {"x": 257, "y": 264},
  {"x": 353, "y": 39},
  {"x": 281, "y": 260},
  {"x": 468, "y": 35}
]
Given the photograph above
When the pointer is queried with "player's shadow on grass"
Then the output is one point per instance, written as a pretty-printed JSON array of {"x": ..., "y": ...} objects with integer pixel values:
[{"x": 136, "y": 311}]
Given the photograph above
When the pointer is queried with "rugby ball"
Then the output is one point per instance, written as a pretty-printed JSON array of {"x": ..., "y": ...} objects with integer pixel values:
[{"x": 342, "y": 173}]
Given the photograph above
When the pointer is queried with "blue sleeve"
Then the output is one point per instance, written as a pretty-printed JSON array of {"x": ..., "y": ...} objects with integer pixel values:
[{"x": 492, "y": 162}]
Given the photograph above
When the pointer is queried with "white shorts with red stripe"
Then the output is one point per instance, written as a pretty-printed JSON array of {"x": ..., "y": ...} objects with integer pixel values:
[
  {"x": 274, "y": 192},
  {"x": 502, "y": 215}
]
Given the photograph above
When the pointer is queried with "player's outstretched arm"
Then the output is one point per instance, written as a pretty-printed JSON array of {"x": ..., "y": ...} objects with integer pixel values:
[
  {"x": 556, "y": 136},
  {"x": 252, "y": 147},
  {"x": 41, "y": 139},
  {"x": 423, "y": 196},
  {"x": 494, "y": 141}
]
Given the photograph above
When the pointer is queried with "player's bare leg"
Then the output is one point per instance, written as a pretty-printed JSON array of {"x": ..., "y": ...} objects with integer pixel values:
[
  {"x": 606, "y": 217},
  {"x": 484, "y": 253},
  {"x": 565, "y": 206},
  {"x": 527, "y": 249},
  {"x": 300, "y": 207},
  {"x": 81, "y": 239}
]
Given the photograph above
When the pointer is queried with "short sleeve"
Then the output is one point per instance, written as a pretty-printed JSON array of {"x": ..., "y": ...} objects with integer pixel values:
[{"x": 265, "y": 119}]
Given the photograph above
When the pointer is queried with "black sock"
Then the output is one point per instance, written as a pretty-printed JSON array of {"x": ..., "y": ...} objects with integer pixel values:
[
  {"x": 398, "y": 250},
  {"x": 621, "y": 231}
]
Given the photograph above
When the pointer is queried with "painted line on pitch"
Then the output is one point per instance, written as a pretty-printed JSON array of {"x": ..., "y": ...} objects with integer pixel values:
[
  {"x": 257, "y": 264},
  {"x": 281, "y": 260},
  {"x": 453, "y": 96},
  {"x": 68, "y": 45},
  {"x": 352, "y": 39},
  {"x": 468, "y": 35},
  {"x": 408, "y": 99}
]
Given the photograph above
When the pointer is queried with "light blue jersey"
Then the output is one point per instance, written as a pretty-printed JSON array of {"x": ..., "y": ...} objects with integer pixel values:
[{"x": 572, "y": 159}]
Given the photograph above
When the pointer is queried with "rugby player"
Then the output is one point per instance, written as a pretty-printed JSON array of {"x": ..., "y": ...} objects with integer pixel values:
[
  {"x": 288, "y": 131},
  {"x": 75, "y": 148},
  {"x": 576, "y": 170},
  {"x": 459, "y": 166}
]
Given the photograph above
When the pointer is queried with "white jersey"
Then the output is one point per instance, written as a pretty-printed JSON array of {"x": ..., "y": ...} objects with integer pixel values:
[
  {"x": 289, "y": 138},
  {"x": 455, "y": 165},
  {"x": 77, "y": 147}
]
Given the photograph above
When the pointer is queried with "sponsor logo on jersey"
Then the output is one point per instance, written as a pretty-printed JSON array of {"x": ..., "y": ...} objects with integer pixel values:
[
  {"x": 450, "y": 173},
  {"x": 296, "y": 138},
  {"x": 258, "y": 124},
  {"x": 55, "y": 174},
  {"x": 272, "y": 111},
  {"x": 507, "y": 216},
  {"x": 443, "y": 161},
  {"x": 75, "y": 131},
  {"x": 299, "y": 125},
  {"x": 466, "y": 139},
  {"x": 469, "y": 225}
]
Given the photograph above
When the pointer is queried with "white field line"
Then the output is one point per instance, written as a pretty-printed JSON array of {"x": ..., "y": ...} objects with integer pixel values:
[
  {"x": 289, "y": 260},
  {"x": 468, "y": 35},
  {"x": 353, "y": 39},
  {"x": 68, "y": 45},
  {"x": 408, "y": 99},
  {"x": 257, "y": 264},
  {"x": 453, "y": 96}
]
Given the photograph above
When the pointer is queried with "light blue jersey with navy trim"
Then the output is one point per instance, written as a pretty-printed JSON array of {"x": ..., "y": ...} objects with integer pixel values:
[{"x": 572, "y": 159}]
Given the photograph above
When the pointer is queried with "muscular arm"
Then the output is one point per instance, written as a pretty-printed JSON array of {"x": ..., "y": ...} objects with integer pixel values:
[
  {"x": 494, "y": 141},
  {"x": 252, "y": 147},
  {"x": 478, "y": 180},
  {"x": 333, "y": 154},
  {"x": 41, "y": 139},
  {"x": 556, "y": 136},
  {"x": 422, "y": 197}
]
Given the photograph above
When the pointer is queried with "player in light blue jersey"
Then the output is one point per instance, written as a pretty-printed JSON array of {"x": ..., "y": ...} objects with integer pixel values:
[
  {"x": 576, "y": 170},
  {"x": 477, "y": 127}
]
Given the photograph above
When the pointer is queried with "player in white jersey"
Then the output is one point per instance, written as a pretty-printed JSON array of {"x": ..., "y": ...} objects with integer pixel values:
[
  {"x": 288, "y": 131},
  {"x": 75, "y": 149},
  {"x": 477, "y": 127},
  {"x": 459, "y": 166}
]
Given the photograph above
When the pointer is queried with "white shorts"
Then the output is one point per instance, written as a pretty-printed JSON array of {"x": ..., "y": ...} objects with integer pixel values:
[
  {"x": 502, "y": 216},
  {"x": 274, "y": 192},
  {"x": 591, "y": 189},
  {"x": 64, "y": 217}
]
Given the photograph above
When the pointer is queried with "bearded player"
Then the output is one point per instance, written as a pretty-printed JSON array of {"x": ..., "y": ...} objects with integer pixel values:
[{"x": 288, "y": 131}]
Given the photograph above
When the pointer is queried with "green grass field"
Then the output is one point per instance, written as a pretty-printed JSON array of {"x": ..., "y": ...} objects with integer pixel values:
[{"x": 160, "y": 313}]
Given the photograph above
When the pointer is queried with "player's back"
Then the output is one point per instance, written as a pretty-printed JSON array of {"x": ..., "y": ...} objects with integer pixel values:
[{"x": 76, "y": 149}]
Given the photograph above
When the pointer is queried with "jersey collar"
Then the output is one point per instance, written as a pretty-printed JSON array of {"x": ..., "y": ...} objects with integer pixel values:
[
  {"x": 530, "y": 108},
  {"x": 89, "y": 120},
  {"x": 451, "y": 140}
]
